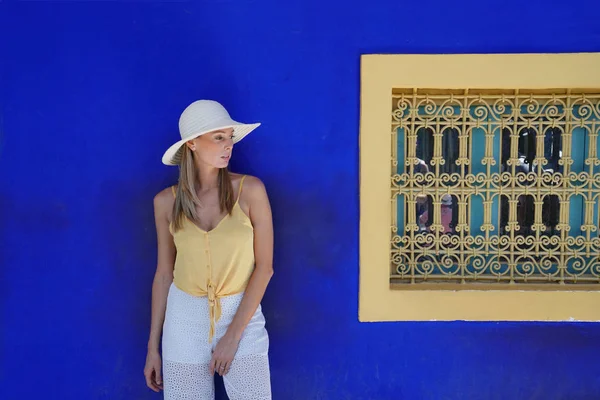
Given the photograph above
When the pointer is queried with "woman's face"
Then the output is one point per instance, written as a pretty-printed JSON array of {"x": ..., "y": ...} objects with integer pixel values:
[{"x": 213, "y": 148}]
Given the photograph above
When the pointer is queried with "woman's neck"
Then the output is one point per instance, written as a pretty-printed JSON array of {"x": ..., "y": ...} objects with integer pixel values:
[{"x": 208, "y": 178}]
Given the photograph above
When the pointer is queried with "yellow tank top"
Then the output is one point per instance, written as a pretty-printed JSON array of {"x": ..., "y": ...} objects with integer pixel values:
[{"x": 216, "y": 263}]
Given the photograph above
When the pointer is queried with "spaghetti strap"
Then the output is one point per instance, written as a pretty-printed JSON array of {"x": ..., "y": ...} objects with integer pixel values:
[
  {"x": 173, "y": 190},
  {"x": 240, "y": 189}
]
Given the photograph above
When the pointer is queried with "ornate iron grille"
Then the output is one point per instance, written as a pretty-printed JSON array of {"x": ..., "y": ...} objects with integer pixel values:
[{"x": 496, "y": 187}]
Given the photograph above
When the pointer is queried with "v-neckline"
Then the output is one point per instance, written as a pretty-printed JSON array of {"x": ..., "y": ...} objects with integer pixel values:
[{"x": 216, "y": 226}]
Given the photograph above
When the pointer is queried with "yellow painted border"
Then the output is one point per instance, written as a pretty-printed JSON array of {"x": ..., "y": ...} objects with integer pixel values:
[{"x": 379, "y": 75}]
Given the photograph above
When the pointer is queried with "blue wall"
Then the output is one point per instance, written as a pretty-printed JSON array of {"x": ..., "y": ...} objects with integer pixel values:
[{"x": 90, "y": 96}]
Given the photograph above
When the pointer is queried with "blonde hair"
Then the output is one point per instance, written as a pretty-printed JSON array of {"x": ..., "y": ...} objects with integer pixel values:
[{"x": 186, "y": 198}]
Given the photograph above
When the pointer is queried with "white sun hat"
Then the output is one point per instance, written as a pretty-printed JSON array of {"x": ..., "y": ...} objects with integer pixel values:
[{"x": 201, "y": 117}]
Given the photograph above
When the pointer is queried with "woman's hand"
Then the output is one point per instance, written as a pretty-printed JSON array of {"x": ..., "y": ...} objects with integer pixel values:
[
  {"x": 223, "y": 355},
  {"x": 152, "y": 371}
]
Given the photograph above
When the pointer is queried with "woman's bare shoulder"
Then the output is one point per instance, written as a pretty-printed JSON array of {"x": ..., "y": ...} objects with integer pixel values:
[
  {"x": 164, "y": 199},
  {"x": 253, "y": 183},
  {"x": 249, "y": 180},
  {"x": 253, "y": 190}
]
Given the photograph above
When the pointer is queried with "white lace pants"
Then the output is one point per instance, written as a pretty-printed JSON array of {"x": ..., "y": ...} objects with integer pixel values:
[{"x": 186, "y": 352}]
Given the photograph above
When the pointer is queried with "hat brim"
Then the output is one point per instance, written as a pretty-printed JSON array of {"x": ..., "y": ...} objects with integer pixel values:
[{"x": 173, "y": 154}]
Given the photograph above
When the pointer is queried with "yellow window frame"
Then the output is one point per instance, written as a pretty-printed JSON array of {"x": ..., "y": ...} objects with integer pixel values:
[{"x": 380, "y": 75}]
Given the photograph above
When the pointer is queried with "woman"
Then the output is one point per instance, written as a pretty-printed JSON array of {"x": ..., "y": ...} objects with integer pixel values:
[{"x": 215, "y": 252}]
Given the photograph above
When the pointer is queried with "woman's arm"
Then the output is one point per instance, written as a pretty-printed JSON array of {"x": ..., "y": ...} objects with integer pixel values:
[
  {"x": 163, "y": 277},
  {"x": 260, "y": 216}
]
